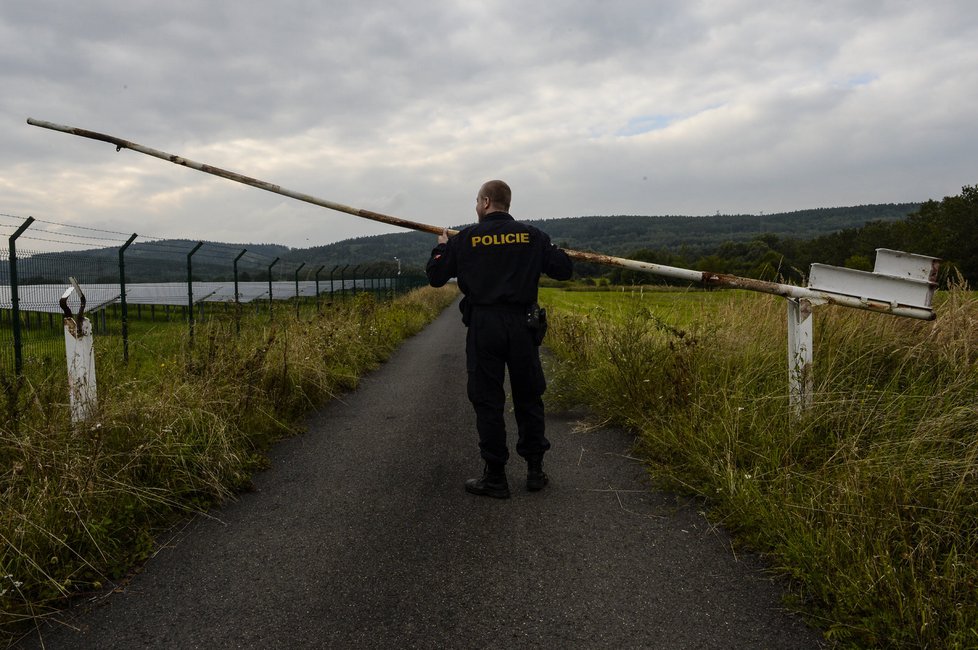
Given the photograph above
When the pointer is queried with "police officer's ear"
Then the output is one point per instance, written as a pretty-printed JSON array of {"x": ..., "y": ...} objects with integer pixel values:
[{"x": 481, "y": 206}]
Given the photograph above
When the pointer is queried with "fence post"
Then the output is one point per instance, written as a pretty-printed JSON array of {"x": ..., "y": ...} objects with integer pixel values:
[
  {"x": 343, "y": 280},
  {"x": 331, "y": 289},
  {"x": 297, "y": 289},
  {"x": 190, "y": 289},
  {"x": 800, "y": 381},
  {"x": 355, "y": 269},
  {"x": 122, "y": 298},
  {"x": 318, "y": 271},
  {"x": 15, "y": 299},
  {"x": 396, "y": 277},
  {"x": 237, "y": 295},
  {"x": 274, "y": 262}
]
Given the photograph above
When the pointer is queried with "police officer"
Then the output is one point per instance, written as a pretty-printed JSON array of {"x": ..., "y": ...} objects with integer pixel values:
[{"x": 498, "y": 263}]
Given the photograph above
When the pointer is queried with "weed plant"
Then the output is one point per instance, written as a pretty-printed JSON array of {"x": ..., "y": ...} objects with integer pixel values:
[
  {"x": 868, "y": 501},
  {"x": 179, "y": 429}
]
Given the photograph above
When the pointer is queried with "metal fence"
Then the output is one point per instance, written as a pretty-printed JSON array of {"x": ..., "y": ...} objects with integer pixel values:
[{"x": 212, "y": 282}]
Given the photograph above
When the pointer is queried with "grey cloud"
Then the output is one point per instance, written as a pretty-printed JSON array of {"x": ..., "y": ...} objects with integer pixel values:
[{"x": 588, "y": 108}]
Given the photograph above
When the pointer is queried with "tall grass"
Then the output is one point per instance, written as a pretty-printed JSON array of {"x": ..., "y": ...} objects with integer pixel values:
[
  {"x": 180, "y": 429},
  {"x": 869, "y": 501}
]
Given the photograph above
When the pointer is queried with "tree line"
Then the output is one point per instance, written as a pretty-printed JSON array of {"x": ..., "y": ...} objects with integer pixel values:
[{"x": 946, "y": 229}]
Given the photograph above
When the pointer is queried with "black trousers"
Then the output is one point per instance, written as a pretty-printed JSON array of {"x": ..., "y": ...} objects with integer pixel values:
[{"x": 498, "y": 339}]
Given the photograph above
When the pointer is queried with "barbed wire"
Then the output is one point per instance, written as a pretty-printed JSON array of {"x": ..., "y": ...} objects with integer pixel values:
[
  {"x": 162, "y": 243},
  {"x": 61, "y": 237},
  {"x": 44, "y": 239},
  {"x": 159, "y": 248},
  {"x": 211, "y": 253},
  {"x": 89, "y": 228}
]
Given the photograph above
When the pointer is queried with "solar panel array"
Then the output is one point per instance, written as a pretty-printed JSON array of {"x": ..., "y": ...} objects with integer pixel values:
[{"x": 45, "y": 298}]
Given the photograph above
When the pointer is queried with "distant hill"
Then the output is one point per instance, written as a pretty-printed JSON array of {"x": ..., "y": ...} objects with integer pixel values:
[
  {"x": 620, "y": 235},
  {"x": 623, "y": 234},
  {"x": 614, "y": 235}
]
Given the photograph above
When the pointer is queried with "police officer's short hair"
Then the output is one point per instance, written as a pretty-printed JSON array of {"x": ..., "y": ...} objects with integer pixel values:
[{"x": 498, "y": 193}]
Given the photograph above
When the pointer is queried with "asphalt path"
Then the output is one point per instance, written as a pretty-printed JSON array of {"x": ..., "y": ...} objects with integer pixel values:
[{"x": 360, "y": 535}]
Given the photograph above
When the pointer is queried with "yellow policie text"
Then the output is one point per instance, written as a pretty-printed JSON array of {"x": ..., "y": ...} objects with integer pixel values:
[{"x": 506, "y": 238}]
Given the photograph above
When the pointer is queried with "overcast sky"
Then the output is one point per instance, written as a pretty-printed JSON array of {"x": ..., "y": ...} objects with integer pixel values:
[{"x": 585, "y": 107}]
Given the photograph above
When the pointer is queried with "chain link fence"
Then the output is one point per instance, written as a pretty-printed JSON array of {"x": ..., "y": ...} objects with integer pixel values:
[{"x": 129, "y": 287}]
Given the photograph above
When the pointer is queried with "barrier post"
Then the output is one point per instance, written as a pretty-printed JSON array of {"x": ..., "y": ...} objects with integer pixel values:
[
  {"x": 800, "y": 381},
  {"x": 80, "y": 356}
]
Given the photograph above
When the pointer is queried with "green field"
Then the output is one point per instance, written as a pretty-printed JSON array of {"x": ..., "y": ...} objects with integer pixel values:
[{"x": 680, "y": 307}]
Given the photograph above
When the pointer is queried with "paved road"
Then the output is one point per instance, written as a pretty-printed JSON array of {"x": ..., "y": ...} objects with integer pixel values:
[{"x": 361, "y": 535}]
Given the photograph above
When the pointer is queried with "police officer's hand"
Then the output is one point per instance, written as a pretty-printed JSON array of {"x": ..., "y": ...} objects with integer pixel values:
[{"x": 443, "y": 237}]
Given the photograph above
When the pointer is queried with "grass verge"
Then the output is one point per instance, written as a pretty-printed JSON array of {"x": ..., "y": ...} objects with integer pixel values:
[
  {"x": 869, "y": 501},
  {"x": 178, "y": 430}
]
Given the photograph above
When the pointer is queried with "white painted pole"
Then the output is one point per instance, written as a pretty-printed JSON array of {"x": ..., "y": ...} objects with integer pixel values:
[
  {"x": 80, "y": 354},
  {"x": 80, "y": 349},
  {"x": 800, "y": 354}
]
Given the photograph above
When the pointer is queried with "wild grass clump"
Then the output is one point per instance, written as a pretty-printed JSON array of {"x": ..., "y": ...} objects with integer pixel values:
[
  {"x": 178, "y": 430},
  {"x": 868, "y": 501}
]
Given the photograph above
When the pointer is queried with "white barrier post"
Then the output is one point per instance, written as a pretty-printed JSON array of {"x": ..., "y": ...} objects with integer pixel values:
[
  {"x": 900, "y": 283},
  {"x": 80, "y": 353},
  {"x": 800, "y": 354}
]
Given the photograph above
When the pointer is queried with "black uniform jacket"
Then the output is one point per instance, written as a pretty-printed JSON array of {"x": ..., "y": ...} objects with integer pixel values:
[{"x": 498, "y": 261}]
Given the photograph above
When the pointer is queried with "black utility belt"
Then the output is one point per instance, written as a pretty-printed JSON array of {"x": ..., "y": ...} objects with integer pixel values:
[
  {"x": 513, "y": 309},
  {"x": 535, "y": 315}
]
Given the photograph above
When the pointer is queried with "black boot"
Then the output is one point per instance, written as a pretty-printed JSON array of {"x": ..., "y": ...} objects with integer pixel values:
[
  {"x": 492, "y": 484},
  {"x": 536, "y": 479}
]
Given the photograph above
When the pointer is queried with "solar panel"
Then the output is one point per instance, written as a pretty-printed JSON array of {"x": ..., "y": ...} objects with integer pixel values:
[{"x": 45, "y": 298}]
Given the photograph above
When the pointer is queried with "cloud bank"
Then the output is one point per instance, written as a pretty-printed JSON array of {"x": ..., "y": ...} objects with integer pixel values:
[{"x": 585, "y": 108}]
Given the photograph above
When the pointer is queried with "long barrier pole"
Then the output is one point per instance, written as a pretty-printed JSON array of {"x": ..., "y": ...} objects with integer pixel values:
[{"x": 706, "y": 278}]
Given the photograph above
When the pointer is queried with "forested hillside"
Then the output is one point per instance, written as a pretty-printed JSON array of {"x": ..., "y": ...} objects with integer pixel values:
[
  {"x": 945, "y": 229},
  {"x": 619, "y": 235},
  {"x": 616, "y": 235}
]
